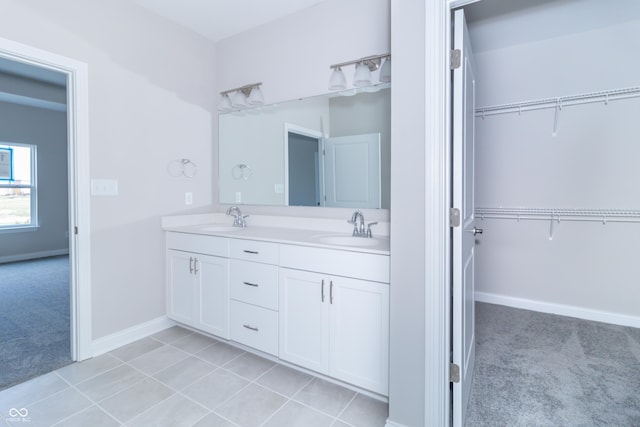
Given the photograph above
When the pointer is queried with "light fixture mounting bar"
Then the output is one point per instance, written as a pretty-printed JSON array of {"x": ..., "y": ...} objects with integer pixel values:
[
  {"x": 246, "y": 89},
  {"x": 373, "y": 61}
]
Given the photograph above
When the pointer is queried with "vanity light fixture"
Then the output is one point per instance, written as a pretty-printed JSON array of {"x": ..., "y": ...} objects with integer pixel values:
[
  {"x": 239, "y": 100},
  {"x": 225, "y": 103},
  {"x": 241, "y": 97},
  {"x": 337, "y": 81},
  {"x": 385, "y": 71},
  {"x": 362, "y": 76}
]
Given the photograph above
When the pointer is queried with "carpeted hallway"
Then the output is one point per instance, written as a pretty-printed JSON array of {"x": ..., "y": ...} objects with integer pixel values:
[
  {"x": 537, "y": 369},
  {"x": 34, "y": 318}
]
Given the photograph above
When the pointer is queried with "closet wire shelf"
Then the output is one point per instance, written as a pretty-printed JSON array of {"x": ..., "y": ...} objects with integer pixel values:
[
  {"x": 559, "y": 102},
  {"x": 560, "y": 214}
]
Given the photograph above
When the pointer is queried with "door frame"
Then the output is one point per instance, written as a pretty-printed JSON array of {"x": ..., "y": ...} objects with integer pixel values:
[{"x": 78, "y": 183}]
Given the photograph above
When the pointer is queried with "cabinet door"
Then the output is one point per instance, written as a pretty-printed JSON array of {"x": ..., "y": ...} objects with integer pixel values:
[
  {"x": 304, "y": 319},
  {"x": 211, "y": 273},
  {"x": 360, "y": 333},
  {"x": 182, "y": 291}
]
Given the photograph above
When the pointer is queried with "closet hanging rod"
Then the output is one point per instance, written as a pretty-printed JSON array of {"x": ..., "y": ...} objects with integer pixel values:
[
  {"x": 560, "y": 214},
  {"x": 563, "y": 101}
]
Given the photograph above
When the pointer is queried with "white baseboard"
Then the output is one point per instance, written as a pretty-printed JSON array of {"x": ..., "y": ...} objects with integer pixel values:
[
  {"x": 563, "y": 310},
  {"x": 392, "y": 424},
  {"x": 129, "y": 335},
  {"x": 33, "y": 255}
]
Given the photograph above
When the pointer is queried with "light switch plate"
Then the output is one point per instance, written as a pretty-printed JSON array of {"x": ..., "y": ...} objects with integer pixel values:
[
  {"x": 104, "y": 187},
  {"x": 188, "y": 198}
]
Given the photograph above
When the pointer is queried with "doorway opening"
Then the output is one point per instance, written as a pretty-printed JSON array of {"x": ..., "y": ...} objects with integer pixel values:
[
  {"x": 73, "y": 74},
  {"x": 552, "y": 165}
]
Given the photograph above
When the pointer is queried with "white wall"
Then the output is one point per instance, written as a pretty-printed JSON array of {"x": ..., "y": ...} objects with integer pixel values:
[
  {"x": 291, "y": 57},
  {"x": 48, "y": 131},
  {"x": 591, "y": 163},
  {"x": 152, "y": 100},
  {"x": 408, "y": 194}
]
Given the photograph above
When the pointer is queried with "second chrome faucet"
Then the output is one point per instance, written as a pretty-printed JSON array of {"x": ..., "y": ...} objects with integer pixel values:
[
  {"x": 357, "y": 219},
  {"x": 239, "y": 219}
]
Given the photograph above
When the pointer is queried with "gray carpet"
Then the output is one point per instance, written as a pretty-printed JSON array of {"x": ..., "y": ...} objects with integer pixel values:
[
  {"x": 536, "y": 369},
  {"x": 34, "y": 318}
]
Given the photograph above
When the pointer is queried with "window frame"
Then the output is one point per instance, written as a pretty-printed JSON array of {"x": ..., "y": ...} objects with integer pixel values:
[{"x": 33, "y": 187}]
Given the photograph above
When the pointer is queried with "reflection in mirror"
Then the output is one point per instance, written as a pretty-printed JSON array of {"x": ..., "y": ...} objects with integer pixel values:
[{"x": 329, "y": 150}]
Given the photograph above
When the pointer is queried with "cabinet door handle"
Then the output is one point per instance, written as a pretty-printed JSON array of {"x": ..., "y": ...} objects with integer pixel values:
[
  {"x": 322, "y": 291},
  {"x": 246, "y": 251},
  {"x": 331, "y": 292},
  {"x": 255, "y": 285},
  {"x": 252, "y": 328},
  {"x": 195, "y": 266},
  {"x": 190, "y": 265}
]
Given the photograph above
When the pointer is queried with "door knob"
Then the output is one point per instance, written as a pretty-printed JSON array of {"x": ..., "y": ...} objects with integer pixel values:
[{"x": 477, "y": 231}]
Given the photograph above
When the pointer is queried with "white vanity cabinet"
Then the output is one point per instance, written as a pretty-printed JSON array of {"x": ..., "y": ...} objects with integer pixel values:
[
  {"x": 321, "y": 308},
  {"x": 197, "y": 282},
  {"x": 332, "y": 321},
  {"x": 253, "y": 284}
]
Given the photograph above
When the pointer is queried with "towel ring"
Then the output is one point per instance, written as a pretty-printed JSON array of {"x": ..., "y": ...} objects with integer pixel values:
[
  {"x": 241, "y": 171},
  {"x": 182, "y": 167}
]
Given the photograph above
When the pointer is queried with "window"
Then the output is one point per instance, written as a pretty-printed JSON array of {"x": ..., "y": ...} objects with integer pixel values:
[{"x": 18, "y": 207}]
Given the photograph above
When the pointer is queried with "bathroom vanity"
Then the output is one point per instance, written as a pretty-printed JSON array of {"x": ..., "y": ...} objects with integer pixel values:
[{"x": 318, "y": 299}]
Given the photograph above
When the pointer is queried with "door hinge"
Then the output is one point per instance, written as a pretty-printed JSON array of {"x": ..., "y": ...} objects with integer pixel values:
[
  {"x": 454, "y": 217},
  {"x": 454, "y": 373},
  {"x": 455, "y": 58}
]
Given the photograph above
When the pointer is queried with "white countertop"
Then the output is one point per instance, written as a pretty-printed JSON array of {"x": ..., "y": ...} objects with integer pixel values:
[{"x": 322, "y": 235}]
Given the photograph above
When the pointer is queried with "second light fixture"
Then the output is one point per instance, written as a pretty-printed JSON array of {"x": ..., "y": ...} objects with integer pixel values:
[
  {"x": 362, "y": 76},
  {"x": 241, "y": 97}
]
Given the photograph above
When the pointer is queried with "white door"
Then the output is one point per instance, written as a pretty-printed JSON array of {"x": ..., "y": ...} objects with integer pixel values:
[
  {"x": 352, "y": 171},
  {"x": 211, "y": 276},
  {"x": 181, "y": 301},
  {"x": 360, "y": 333},
  {"x": 304, "y": 319},
  {"x": 463, "y": 239}
]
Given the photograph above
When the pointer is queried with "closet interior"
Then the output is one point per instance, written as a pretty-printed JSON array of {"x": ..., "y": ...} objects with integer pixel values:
[
  {"x": 558, "y": 156},
  {"x": 557, "y": 194}
]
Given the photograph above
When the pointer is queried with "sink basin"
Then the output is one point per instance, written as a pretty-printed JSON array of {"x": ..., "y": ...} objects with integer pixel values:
[
  {"x": 219, "y": 228},
  {"x": 346, "y": 240}
]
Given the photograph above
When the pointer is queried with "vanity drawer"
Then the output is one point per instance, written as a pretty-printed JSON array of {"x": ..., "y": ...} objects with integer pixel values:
[
  {"x": 253, "y": 250},
  {"x": 358, "y": 265},
  {"x": 254, "y": 283},
  {"x": 210, "y": 245},
  {"x": 255, "y": 327}
]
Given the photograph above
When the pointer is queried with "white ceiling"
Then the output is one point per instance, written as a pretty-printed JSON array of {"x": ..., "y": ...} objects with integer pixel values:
[
  {"x": 219, "y": 19},
  {"x": 496, "y": 24}
]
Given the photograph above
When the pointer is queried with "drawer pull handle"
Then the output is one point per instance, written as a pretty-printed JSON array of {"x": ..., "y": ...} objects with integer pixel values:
[
  {"x": 331, "y": 292},
  {"x": 251, "y": 328},
  {"x": 322, "y": 291},
  {"x": 190, "y": 265},
  {"x": 246, "y": 251},
  {"x": 255, "y": 285}
]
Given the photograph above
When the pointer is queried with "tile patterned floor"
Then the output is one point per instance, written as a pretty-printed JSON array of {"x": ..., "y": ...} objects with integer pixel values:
[{"x": 179, "y": 378}]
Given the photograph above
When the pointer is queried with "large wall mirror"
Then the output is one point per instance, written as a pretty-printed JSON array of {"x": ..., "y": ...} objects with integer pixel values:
[{"x": 328, "y": 151}]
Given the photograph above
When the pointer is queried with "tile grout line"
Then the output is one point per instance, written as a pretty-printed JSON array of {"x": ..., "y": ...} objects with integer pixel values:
[{"x": 93, "y": 403}]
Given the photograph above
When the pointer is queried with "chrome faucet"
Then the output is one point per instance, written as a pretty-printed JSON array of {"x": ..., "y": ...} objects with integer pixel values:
[
  {"x": 357, "y": 219},
  {"x": 358, "y": 230},
  {"x": 239, "y": 219}
]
